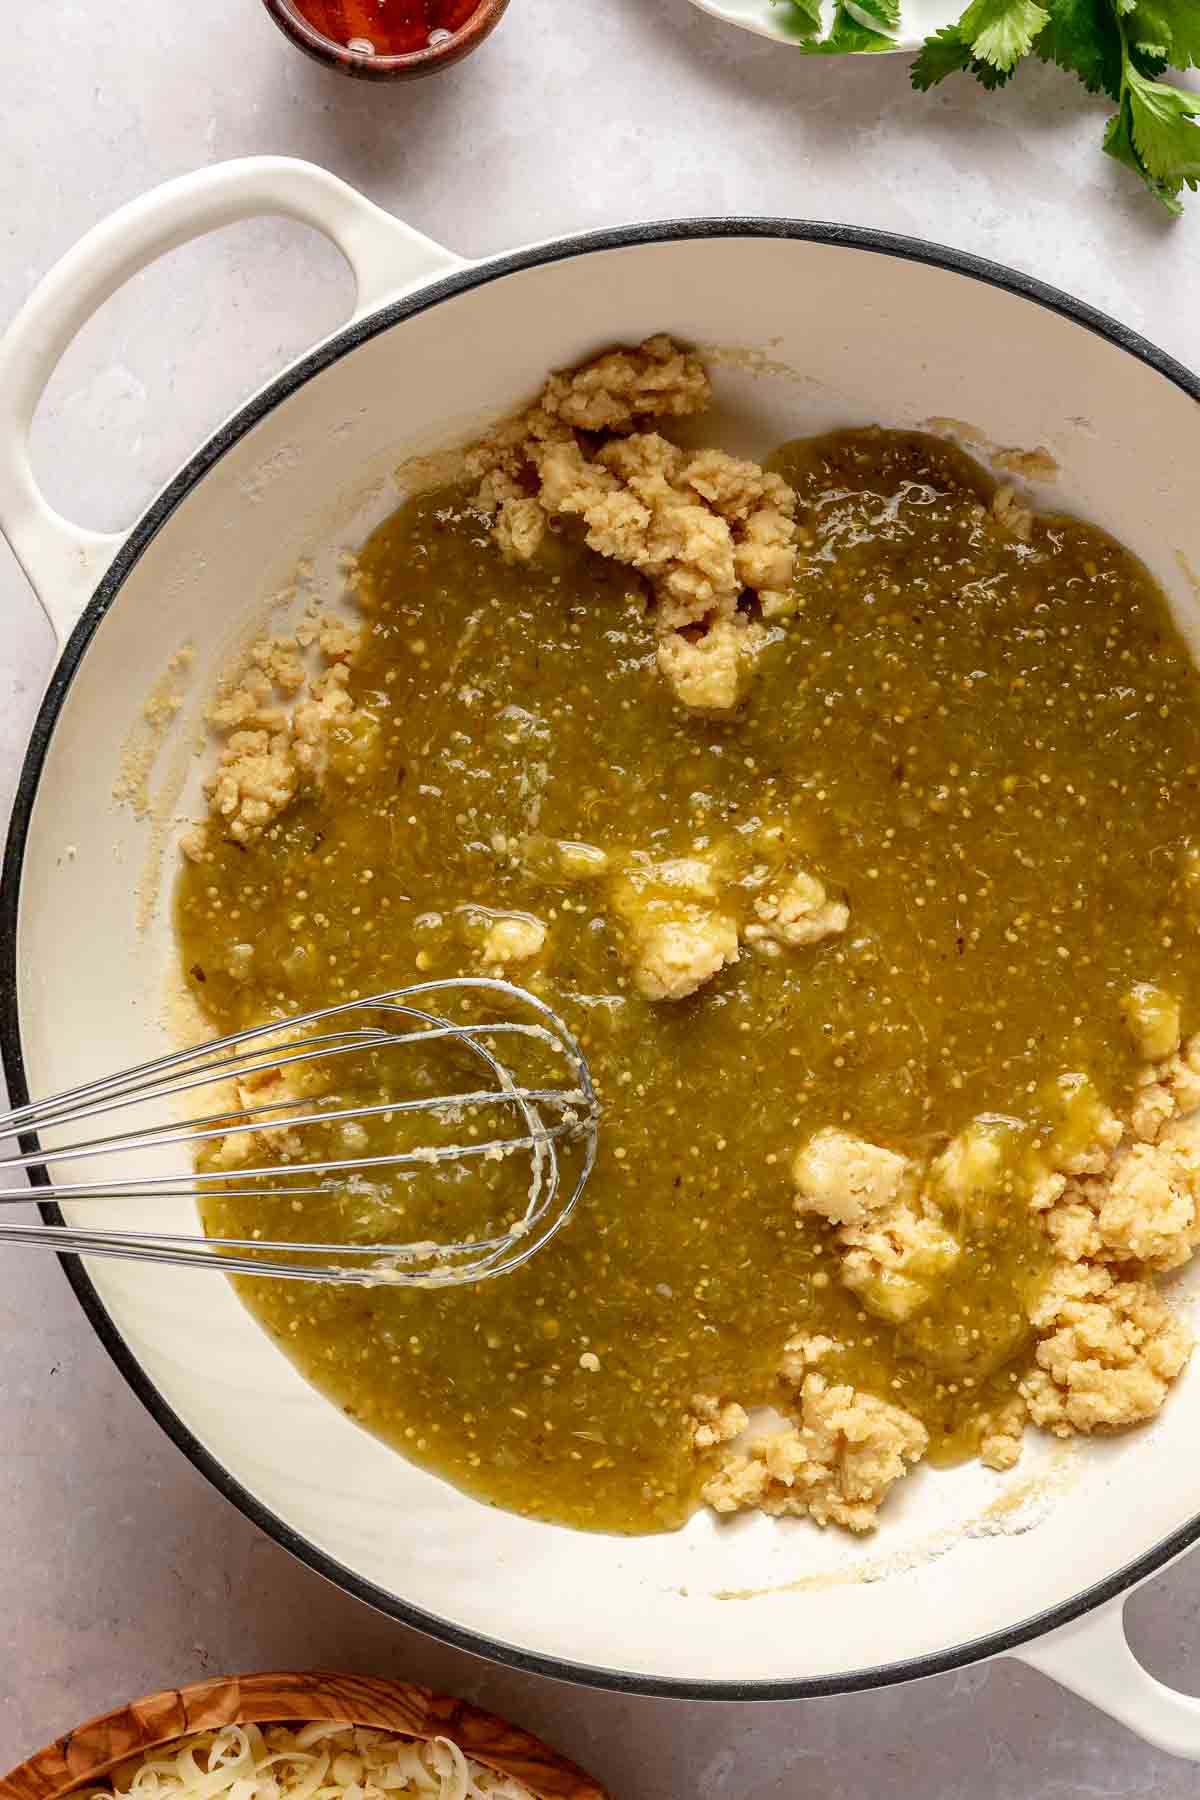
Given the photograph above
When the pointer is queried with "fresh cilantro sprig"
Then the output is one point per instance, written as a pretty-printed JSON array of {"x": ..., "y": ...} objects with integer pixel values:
[{"x": 1116, "y": 47}]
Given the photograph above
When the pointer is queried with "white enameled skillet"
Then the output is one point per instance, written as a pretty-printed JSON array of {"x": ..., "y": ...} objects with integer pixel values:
[{"x": 834, "y": 326}]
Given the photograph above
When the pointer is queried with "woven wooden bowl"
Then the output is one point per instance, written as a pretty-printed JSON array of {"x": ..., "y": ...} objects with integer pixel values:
[{"x": 92, "y": 1752}]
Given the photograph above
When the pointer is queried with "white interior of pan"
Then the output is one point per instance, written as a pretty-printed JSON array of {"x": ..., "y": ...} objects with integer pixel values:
[{"x": 871, "y": 338}]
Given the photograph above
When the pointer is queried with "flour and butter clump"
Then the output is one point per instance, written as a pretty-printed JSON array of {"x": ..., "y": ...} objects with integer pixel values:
[
  {"x": 1117, "y": 1205},
  {"x": 685, "y": 919},
  {"x": 714, "y": 536},
  {"x": 279, "y": 724},
  {"x": 834, "y": 1463}
]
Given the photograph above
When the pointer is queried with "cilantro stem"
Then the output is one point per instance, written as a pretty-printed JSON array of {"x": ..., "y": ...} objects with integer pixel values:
[{"x": 1119, "y": 21}]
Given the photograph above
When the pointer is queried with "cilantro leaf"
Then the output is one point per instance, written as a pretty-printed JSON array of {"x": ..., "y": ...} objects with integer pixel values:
[
  {"x": 850, "y": 32},
  {"x": 990, "y": 77},
  {"x": 945, "y": 55},
  {"x": 1083, "y": 37},
  {"x": 849, "y": 36},
  {"x": 1184, "y": 16},
  {"x": 1000, "y": 32},
  {"x": 1118, "y": 140},
  {"x": 1155, "y": 47},
  {"x": 1168, "y": 30},
  {"x": 808, "y": 16},
  {"x": 1118, "y": 143},
  {"x": 885, "y": 13},
  {"x": 1165, "y": 133},
  {"x": 942, "y": 54}
]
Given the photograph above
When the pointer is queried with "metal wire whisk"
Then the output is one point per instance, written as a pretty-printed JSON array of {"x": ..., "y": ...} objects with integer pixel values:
[{"x": 547, "y": 1121}]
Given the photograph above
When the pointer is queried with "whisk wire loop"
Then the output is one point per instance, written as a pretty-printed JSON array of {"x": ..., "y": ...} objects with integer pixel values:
[{"x": 548, "y": 1120}]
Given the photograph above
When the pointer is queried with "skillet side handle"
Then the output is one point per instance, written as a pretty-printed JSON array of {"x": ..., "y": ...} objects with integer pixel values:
[
  {"x": 64, "y": 562},
  {"x": 1092, "y": 1658}
]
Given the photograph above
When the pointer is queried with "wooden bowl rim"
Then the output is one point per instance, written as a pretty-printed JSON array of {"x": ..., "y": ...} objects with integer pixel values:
[
  {"x": 308, "y": 37},
  {"x": 92, "y": 1751}
]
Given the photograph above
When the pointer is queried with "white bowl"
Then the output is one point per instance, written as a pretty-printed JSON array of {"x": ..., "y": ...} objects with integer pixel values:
[{"x": 769, "y": 18}]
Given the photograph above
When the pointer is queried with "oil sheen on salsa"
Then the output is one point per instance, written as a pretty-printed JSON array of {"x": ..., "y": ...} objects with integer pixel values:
[{"x": 982, "y": 744}]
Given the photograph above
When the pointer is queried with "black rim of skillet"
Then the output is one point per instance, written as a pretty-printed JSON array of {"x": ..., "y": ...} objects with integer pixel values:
[{"x": 559, "y": 1668}]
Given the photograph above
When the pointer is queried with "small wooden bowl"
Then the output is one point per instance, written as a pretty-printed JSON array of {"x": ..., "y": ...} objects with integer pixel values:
[
  {"x": 91, "y": 1753},
  {"x": 333, "y": 55}
]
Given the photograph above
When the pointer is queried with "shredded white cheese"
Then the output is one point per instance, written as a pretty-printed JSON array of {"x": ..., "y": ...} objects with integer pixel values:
[{"x": 322, "y": 1761}]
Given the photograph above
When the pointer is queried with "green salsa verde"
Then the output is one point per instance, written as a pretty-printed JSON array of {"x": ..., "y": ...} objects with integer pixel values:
[{"x": 980, "y": 742}]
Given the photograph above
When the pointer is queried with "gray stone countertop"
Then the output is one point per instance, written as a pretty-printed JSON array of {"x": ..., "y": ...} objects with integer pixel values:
[{"x": 120, "y": 1569}]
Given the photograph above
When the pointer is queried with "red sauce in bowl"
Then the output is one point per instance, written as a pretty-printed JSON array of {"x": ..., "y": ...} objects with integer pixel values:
[{"x": 385, "y": 27}]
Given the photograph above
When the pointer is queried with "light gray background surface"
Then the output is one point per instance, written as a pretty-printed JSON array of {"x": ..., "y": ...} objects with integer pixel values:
[{"x": 120, "y": 1569}]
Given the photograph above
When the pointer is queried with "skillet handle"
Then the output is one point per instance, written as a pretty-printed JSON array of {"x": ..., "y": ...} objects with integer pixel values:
[
  {"x": 1092, "y": 1658},
  {"x": 63, "y": 561}
]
